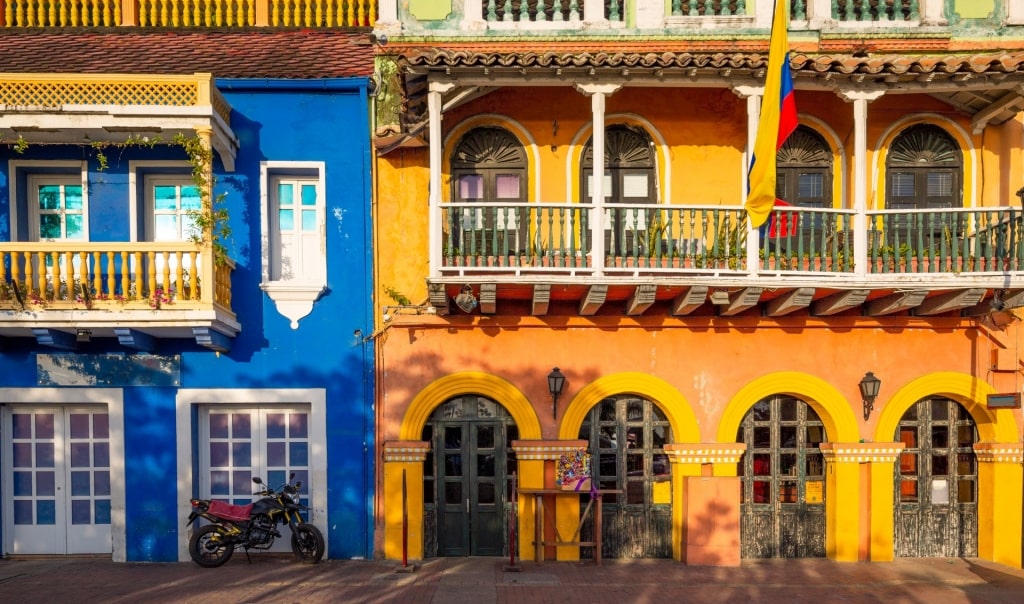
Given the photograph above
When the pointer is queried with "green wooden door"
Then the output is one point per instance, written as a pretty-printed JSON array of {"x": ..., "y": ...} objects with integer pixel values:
[{"x": 471, "y": 466}]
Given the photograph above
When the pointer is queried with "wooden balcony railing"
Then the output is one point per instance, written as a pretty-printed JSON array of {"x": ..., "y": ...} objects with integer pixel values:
[
  {"x": 128, "y": 276},
  {"x": 188, "y": 13},
  {"x": 557, "y": 238}
]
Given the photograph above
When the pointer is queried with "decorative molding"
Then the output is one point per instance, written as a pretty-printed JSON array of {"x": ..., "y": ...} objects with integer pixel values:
[
  {"x": 861, "y": 452},
  {"x": 723, "y": 453},
  {"x": 999, "y": 452},
  {"x": 406, "y": 450},
  {"x": 293, "y": 300},
  {"x": 546, "y": 449}
]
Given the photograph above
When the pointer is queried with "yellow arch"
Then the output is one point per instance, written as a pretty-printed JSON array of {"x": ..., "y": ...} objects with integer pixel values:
[
  {"x": 993, "y": 426},
  {"x": 676, "y": 408},
  {"x": 470, "y": 382},
  {"x": 831, "y": 406}
]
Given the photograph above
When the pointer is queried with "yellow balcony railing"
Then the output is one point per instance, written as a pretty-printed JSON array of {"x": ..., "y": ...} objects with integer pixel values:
[
  {"x": 111, "y": 275},
  {"x": 188, "y": 13}
]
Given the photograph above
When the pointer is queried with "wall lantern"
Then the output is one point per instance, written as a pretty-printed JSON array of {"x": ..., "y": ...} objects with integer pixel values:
[
  {"x": 556, "y": 381},
  {"x": 869, "y": 385},
  {"x": 83, "y": 335}
]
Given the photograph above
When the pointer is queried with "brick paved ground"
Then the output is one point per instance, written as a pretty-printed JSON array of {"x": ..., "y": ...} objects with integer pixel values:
[{"x": 274, "y": 579}]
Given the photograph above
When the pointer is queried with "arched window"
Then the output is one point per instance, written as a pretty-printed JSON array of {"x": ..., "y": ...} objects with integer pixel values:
[
  {"x": 629, "y": 178},
  {"x": 489, "y": 165},
  {"x": 924, "y": 170},
  {"x": 804, "y": 170}
]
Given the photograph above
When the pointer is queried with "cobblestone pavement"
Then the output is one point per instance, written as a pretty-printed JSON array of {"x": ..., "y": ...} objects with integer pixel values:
[{"x": 277, "y": 579}]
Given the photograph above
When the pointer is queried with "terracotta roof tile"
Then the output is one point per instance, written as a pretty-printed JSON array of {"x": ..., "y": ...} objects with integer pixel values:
[{"x": 257, "y": 53}]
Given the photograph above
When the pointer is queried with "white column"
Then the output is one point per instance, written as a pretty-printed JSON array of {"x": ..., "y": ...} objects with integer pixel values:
[
  {"x": 763, "y": 10},
  {"x": 1015, "y": 12},
  {"x": 473, "y": 16},
  {"x": 860, "y": 102},
  {"x": 819, "y": 14},
  {"x": 435, "y": 100},
  {"x": 931, "y": 11},
  {"x": 753, "y": 94},
  {"x": 598, "y": 94},
  {"x": 387, "y": 16},
  {"x": 593, "y": 12}
]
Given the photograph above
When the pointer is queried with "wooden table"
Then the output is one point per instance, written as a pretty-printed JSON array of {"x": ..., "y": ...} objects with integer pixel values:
[{"x": 539, "y": 512}]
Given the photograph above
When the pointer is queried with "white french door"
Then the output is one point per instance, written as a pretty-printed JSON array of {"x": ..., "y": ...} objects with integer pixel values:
[
  {"x": 59, "y": 477},
  {"x": 238, "y": 444}
]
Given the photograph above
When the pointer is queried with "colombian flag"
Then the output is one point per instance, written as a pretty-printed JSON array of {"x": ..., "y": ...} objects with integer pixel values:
[{"x": 778, "y": 120}]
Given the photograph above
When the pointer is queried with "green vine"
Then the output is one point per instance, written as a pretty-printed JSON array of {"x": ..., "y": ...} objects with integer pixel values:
[{"x": 210, "y": 220}]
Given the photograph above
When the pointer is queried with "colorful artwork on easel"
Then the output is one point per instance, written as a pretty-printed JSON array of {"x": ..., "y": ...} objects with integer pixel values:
[{"x": 573, "y": 471}]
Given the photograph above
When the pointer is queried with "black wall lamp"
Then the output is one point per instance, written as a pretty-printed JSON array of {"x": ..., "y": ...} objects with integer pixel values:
[
  {"x": 869, "y": 386},
  {"x": 556, "y": 381}
]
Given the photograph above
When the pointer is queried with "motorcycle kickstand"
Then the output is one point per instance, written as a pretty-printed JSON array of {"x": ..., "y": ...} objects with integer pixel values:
[{"x": 247, "y": 556}]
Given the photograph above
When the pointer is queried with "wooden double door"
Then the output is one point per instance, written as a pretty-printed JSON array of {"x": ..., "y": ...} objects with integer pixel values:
[
  {"x": 467, "y": 478},
  {"x": 782, "y": 510}
]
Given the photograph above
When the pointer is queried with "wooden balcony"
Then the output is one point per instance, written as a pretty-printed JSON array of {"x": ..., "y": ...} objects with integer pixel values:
[
  {"x": 816, "y": 260},
  {"x": 136, "y": 292}
]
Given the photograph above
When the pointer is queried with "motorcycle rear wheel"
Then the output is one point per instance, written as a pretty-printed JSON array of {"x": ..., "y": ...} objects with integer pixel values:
[
  {"x": 308, "y": 543},
  {"x": 210, "y": 547}
]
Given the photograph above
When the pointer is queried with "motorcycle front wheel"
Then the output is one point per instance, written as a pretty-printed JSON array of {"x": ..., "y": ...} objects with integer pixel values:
[
  {"x": 210, "y": 547},
  {"x": 308, "y": 543}
]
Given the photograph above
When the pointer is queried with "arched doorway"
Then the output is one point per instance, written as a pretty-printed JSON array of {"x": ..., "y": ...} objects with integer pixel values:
[
  {"x": 626, "y": 436},
  {"x": 629, "y": 179},
  {"x": 467, "y": 478},
  {"x": 782, "y": 509},
  {"x": 937, "y": 481}
]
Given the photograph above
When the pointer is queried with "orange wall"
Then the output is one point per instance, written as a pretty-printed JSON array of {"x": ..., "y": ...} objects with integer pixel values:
[{"x": 696, "y": 356}]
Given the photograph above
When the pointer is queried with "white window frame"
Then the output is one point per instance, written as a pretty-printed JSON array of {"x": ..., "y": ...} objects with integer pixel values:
[
  {"x": 177, "y": 171},
  {"x": 30, "y": 168},
  {"x": 113, "y": 399},
  {"x": 187, "y": 402},
  {"x": 294, "y": 298},
  {"x": 149, "y": 182}
]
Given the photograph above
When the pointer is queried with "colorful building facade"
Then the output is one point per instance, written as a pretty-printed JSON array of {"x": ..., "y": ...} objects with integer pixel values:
[
  {"x": 840, "y": 383},
  {"x": 185, "y": 270}
]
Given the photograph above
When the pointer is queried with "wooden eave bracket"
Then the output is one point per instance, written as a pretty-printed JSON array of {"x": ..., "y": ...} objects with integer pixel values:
[
  {"x": 641, "y": 299},
  {"x": 741, "y": 301},
  {"x": 895, "y": 303},
  {"x": 541, "y": 299},
  {"x": 690, "y": 300},
  {"x": 837, "y": 303},
  {"x": 791, "y": 301},
  {"x": 593, "y": 300}
]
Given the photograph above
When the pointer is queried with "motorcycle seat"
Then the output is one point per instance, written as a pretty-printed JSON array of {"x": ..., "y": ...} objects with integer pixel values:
[{"x": 237, "y": 513}]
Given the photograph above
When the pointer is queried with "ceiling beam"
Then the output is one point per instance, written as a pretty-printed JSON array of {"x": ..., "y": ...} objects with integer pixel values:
[
  {"x": 741, "y": 301},
  {"x": 690, "y": 300},
  {"x": 488, "y": 298},
  {"x": 593, "y": 300},
  {"x": 439, "y": 298},
  {"x": 795, "y": 300},
  {"x": 133, "y": 338},
  {"x": 1011, "y": 101},
  {"x": 641, "y": 299},
  {"x": 950, "y": 301},
  {"x": 837, "y": 303},
  {"x": 895, "y": 303},
  {"x": 541, "y": 299},
  {"x": 55, "y": 338}
]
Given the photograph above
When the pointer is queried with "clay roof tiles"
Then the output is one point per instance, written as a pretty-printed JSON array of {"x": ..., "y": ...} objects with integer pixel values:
[{"x": 258, "y": 53}]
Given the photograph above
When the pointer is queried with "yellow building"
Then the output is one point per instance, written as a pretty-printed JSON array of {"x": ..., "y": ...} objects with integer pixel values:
[{"x": 843, "y": 381}]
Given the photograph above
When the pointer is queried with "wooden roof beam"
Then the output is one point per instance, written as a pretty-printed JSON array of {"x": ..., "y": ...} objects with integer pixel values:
[
  {"x": 541, "y": 299},
  {"x": 950, "y": 301},
  {"x": 837, "y": 303},
  {"x": 895, "y": 303},
  {"x": 741, "y": 301},
  {"x": 641, "y": 299},
  {"x": 593, "y": 300},
  {"x": 690, "y": 300},
  {"x": 795, "y": 300}
]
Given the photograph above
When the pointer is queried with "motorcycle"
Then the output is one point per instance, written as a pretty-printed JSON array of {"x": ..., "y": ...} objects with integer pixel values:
[{"x": 252, "y": 526}]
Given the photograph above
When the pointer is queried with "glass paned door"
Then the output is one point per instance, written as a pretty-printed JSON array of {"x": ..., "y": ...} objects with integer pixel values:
[
  {"x": 240, "y": 444},
  {"x": 60, "y": 481}
]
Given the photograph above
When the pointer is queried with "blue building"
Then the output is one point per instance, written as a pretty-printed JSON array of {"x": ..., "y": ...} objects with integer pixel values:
[{"x": 185, "y": 283}]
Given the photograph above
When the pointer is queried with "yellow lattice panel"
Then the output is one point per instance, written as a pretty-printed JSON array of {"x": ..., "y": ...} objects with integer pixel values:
[{"x": 54, "y": 90}]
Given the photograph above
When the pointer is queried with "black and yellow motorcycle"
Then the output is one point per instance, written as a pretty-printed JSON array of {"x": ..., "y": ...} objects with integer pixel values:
[{"x": 252, "y": 526}]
